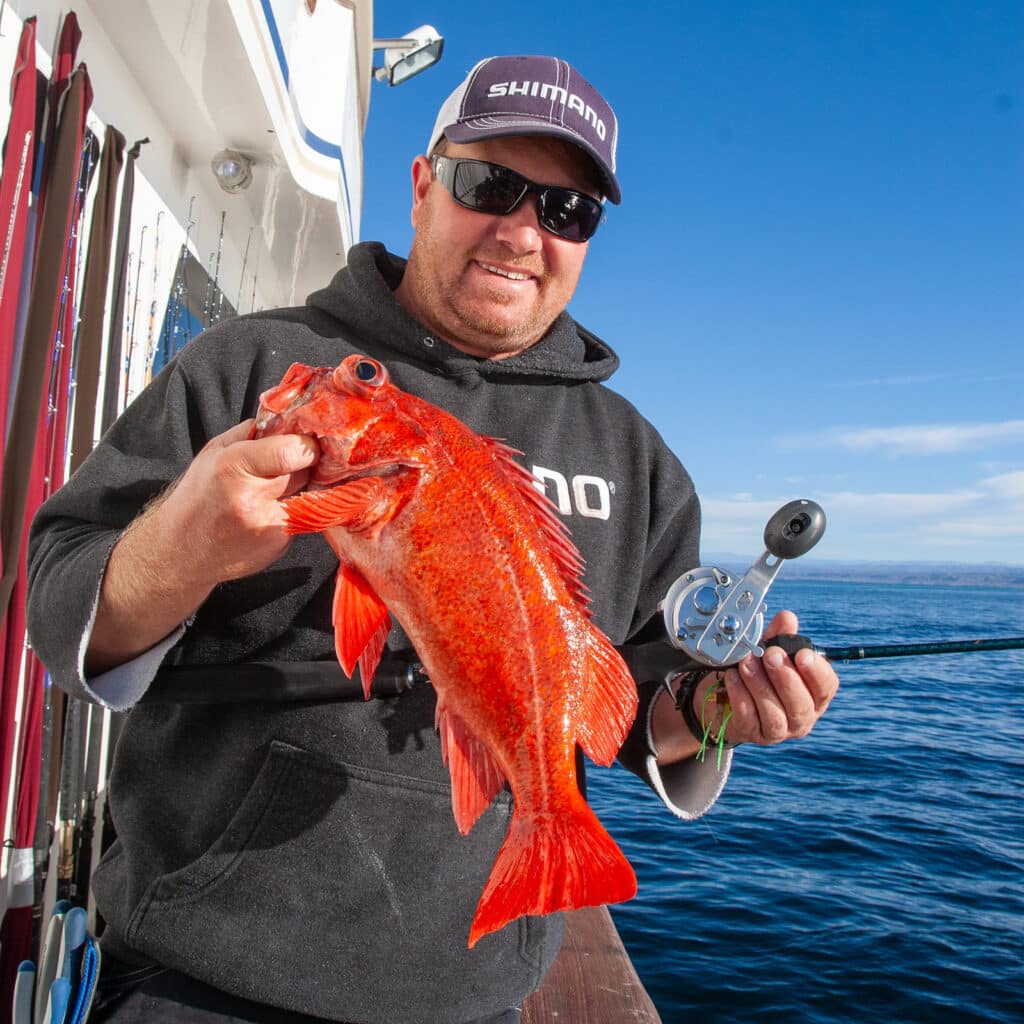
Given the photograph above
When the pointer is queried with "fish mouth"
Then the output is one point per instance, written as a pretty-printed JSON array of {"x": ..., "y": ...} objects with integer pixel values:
[{"x": 339, "y": 476}]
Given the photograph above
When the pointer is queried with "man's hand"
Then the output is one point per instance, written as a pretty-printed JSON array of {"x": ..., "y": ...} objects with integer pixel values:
[
  {"x": 221, "y": 520},
  {"x": 227, "y": 503},
  {"x": 775, "y": 698},
  {"x": 771, "y": 699}
]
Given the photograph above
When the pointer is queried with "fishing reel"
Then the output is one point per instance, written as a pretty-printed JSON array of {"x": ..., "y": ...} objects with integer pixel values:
[{"x": 717, "y": 620}]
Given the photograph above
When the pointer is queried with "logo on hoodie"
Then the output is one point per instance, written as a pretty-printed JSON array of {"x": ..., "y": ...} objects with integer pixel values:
[{"x": 588, "y": 496}]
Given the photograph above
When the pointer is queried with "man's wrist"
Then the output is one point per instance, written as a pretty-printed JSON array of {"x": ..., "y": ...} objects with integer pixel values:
[{"x": 707, "y": 724}]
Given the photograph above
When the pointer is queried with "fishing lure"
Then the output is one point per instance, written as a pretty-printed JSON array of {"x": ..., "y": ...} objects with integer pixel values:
[
  {"x": 723, "y": 711},
  {"x": 709, "y": 729}
]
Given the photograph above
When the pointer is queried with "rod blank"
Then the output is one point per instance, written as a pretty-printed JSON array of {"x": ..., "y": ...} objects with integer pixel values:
[
  {"x": 791, "y": 643},
  {"x": 1003, "y": 643}
]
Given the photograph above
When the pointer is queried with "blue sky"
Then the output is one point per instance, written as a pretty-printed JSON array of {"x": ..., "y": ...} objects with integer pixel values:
[{"x": 816, "y": 277}]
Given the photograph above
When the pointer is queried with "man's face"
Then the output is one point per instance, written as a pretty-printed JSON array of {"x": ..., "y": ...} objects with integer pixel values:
[{"x": 489, "y": 285}]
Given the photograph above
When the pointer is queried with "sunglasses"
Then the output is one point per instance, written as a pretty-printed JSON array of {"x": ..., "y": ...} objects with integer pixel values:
[{"x": 496, "y": 190}]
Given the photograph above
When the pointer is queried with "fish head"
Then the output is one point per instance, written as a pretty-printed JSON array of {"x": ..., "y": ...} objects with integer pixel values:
[{"x": 357, "y": 415}]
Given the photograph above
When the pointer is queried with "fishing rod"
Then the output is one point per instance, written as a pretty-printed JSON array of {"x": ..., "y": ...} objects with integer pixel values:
[
  {"x": 90, "y": 157},
  {"x": 130, "y": 347},
  {"x": 252, "y": 304},
  {"x": 245, "y": 260},
  {"x": 211, "y": 318},
  {"x": 181, "y": 288},
  {"x": 791, "y": 643},
  {"x": 151, "y": 342},
  {"x": 716, "y": 620},
  {"x": 61, "y": 382}
]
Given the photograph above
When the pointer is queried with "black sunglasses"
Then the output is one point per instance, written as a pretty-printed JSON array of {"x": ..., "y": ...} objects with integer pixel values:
[{"x": 496, "y": 190}]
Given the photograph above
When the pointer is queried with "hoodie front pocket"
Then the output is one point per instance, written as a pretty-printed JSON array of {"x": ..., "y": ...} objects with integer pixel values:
[{"x": 344, "y": 892}]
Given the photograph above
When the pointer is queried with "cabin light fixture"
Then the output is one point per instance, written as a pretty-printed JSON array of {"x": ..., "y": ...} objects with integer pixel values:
[
  {"x": 408, "y": 55},
  {"x": 233, "y": 170}
]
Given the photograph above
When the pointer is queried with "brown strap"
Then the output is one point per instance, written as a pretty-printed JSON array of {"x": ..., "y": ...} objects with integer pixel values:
[{"x": 94, "y": 295}]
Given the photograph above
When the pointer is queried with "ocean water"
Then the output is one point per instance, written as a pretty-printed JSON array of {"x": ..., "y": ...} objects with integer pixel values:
[{"x": 872, "y": 871}]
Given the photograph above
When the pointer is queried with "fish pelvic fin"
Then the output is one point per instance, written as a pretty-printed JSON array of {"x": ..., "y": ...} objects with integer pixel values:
[
  {"x": 475, "y": 774},
  {"x": 361, "y": 625},
  {"x": 356, "y": 505},
  {"x": 609, "y": 701},
  {"x": 550, "y": 863}
]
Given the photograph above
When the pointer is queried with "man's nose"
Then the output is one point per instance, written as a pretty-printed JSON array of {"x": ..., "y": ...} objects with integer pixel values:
[{"x": 520, "y": 229}]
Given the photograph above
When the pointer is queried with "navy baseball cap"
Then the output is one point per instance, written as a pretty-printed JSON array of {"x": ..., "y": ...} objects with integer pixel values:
[{"x": 504, "y": 96}]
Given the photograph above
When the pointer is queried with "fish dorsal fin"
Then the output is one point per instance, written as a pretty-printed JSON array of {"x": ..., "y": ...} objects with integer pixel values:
[
  {"x": 361, "y": 624},
  {"x": 476, "y": 777},
  {"x": 552, "y": 526},
  {"x": 609, "y": 701}
]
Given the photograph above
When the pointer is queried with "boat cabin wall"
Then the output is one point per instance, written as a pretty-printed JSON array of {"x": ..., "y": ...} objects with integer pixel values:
[{"x": 270, "y": 79}]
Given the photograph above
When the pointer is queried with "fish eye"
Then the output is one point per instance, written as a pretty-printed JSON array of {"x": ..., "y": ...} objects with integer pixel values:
[
  {"x": 367, "y": 371},
  {"x": 359, "y": 375}
]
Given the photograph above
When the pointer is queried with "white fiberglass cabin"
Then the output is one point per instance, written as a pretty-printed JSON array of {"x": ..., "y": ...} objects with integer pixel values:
[{"x": 275, "y": 95}]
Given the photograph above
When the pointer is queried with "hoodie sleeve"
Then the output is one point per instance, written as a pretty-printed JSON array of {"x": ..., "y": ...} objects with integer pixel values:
[
  {"x": 75, "y": 530},
  {"x": 687, "y": 788}
]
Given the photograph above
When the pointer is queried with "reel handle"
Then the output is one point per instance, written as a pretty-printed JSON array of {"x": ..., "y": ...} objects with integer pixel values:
[
  {"x": 794, "y": 529},
  {"x": 718, "y": 621}
]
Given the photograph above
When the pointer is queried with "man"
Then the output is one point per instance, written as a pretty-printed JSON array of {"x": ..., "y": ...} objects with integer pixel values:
[{"x": 296, "y": 860}]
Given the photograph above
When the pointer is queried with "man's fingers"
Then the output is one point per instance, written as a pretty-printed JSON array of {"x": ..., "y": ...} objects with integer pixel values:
[
  {"x": 239, "y": 432},
  {"x": 783, "y": 623},
  {"x": 769, "y": 705},
  {"x": 267, "y": 457},
  {"x": 818, "y": 676},
  {"x": 745, "y": 723},
  {"x": 279, "y": 455}
]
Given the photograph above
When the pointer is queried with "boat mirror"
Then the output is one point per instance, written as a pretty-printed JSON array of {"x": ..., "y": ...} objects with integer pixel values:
[{"x": 408, "y": 55}]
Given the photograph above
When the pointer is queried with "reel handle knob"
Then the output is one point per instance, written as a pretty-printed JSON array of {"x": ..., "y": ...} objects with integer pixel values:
[{"x": 795, "y": 529}]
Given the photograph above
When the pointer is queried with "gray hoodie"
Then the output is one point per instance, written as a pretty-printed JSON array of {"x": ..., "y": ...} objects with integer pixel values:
[{"x": 303, "y": 853}]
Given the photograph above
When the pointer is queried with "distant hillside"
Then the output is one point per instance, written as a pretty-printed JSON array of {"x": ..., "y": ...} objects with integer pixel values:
[{"x": 949, "y": 574}]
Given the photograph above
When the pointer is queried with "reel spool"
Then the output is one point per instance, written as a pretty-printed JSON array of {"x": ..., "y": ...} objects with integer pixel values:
[{"x": 716, "y": 620}]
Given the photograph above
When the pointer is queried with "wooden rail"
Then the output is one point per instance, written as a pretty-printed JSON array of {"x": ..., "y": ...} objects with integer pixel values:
[{"x": 592, "y": 980}]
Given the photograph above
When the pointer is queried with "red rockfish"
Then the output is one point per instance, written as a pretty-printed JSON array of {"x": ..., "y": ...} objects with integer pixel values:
[{"x": 444, "y": 528}]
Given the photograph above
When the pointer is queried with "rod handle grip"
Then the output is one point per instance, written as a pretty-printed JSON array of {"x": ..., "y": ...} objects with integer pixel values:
[{"x": 790, "y": 643}]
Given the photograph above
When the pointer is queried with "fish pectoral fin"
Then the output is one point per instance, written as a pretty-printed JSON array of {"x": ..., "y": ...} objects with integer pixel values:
[
  {"x": 609, "y": 701},
  {"x": 361, "y": 624},
  {"x": 476, "y": 776},
  {"x": 355, "y": 505}
]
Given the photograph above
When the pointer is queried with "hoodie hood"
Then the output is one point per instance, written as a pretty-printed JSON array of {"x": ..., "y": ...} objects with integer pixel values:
[{"x": 361, "y": 297}]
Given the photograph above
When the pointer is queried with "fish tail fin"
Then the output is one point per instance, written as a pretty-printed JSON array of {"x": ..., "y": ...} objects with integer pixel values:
[{"x": 549, "y": 863}]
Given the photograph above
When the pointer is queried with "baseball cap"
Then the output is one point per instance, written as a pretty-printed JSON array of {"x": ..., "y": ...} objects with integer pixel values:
[{"x": 504, "y": 96}]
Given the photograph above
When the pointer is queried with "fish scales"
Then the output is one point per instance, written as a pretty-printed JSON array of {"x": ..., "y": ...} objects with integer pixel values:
[{"x": 440, "y": 527}]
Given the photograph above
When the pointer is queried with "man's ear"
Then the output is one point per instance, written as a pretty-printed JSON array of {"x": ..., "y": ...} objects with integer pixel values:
[{"x": 422, "y": 177}]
